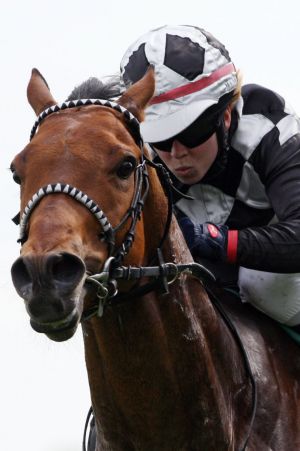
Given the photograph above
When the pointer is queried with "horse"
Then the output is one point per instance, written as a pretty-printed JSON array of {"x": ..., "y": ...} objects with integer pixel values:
[{"x": 173, "y": 361}]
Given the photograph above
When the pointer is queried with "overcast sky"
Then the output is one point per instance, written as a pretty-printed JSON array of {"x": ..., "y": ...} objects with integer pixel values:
[{"x": 43, "y": 385}]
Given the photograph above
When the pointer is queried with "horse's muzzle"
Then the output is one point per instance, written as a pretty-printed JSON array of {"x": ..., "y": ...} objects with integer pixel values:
[{"x": 50, "y": 285}]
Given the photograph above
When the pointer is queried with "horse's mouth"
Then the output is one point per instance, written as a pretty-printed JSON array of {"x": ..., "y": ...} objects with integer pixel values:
[{"x": 58, "y": 330}]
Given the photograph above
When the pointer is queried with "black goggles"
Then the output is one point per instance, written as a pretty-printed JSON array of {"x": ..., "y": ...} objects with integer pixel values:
[{"x": 194, "y": 135}]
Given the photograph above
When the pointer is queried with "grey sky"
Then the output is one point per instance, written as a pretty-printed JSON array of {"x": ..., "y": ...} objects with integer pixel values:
[{"x": 43, "y": 385}]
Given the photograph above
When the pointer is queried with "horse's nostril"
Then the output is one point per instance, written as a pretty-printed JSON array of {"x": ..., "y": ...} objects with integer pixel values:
[
  {"x": 66, "y": 268},
  {"x": 21, "y": 277}
]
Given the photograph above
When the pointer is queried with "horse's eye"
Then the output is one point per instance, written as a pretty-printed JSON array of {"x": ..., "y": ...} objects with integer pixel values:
[
  {"x": 15, "y": 175},
  {"x": 126, "y": 168}
]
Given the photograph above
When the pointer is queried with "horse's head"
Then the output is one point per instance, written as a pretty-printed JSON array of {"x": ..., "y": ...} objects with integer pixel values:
[{"x": 94, "y": 149}]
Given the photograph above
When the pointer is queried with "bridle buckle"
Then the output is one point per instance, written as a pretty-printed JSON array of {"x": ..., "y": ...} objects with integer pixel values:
[{"x": 106, "y": 285}]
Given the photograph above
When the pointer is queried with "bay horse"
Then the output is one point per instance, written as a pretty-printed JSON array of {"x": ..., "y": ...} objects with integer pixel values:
[{"x": 167, "y": 370}]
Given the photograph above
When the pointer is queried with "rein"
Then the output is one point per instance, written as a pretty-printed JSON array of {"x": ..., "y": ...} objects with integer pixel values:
[{"x": 162, "y": 275}]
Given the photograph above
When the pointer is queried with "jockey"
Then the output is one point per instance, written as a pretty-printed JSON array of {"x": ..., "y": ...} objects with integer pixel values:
[{"x": 236, "y": 151}]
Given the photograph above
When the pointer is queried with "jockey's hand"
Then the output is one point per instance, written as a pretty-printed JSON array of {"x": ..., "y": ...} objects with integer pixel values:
[{"x": 209, "y": 240}]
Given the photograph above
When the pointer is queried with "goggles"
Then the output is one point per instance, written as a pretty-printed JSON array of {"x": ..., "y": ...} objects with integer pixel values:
[{"x": 194, "y": 135}]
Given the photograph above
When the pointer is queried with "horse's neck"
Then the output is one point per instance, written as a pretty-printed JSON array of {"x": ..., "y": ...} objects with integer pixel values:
[
  {"x": 153, "y": 365},
  {"x": 160, "y": 360}
]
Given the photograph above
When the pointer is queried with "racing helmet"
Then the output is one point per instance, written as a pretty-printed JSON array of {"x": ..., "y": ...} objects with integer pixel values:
[{"x": 193, "y": 75}]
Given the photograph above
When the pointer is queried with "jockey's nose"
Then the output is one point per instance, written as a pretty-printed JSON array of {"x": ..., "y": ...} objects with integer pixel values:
[
  {"x": 178, "y": 150},
  {"x": 47, "y": 283}
]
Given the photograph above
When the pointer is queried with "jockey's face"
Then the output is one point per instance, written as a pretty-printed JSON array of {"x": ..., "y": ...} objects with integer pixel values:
[{"x": 189, "y": 165}]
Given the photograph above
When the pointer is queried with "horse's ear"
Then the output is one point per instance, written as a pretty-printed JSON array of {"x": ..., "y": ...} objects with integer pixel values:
[
  {"x": 38, "y": 93},
  {"x": 136, "y": 98}
]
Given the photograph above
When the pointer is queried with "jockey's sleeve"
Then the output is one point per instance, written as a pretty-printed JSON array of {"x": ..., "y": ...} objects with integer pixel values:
[{"x": 276, "y": 247}]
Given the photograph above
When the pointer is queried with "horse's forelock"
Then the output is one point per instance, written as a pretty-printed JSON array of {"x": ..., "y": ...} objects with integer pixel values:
[{"x": 93, "y": 88}]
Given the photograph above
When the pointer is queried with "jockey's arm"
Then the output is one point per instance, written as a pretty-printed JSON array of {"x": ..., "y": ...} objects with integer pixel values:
[{"x": 276, "y": 247}]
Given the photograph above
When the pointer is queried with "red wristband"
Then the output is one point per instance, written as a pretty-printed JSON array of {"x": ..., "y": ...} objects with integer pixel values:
[{"x": 232, "y": 244}]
